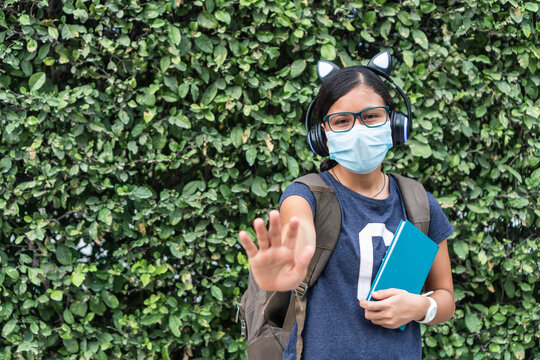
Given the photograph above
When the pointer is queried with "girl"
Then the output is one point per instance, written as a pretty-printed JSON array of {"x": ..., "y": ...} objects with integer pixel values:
[{"x": 352, "y": 108}]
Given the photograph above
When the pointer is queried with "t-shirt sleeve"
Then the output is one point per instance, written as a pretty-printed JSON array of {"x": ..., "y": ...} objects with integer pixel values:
[
  {"x": 439, "y": 226},
  {"x": 300, "y": 190}
]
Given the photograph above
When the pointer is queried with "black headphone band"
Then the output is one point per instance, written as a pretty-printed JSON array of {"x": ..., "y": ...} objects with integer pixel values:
[{"x": 401, "y": 92}]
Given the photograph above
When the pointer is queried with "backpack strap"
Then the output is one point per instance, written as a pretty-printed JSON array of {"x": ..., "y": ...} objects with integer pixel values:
[
  {"x": 415, "y": 200},
  {"x": 328, "y": 226}
]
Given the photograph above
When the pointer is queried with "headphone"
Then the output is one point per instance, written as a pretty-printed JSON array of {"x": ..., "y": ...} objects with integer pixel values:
[{"x": 400, "y": 124}]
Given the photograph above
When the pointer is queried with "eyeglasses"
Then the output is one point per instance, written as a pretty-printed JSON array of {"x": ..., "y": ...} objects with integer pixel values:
[{"x": 370, "y": 117}]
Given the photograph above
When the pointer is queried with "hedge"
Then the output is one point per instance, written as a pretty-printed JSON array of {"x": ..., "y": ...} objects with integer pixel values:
[{"x": 138, "y": 138}]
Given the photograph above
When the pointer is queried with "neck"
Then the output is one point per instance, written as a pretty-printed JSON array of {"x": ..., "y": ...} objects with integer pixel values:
[{"x": 369, "y": 185}]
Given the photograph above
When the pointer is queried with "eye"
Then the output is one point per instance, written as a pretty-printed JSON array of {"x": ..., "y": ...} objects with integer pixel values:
[{"x": 340, "y": 120}]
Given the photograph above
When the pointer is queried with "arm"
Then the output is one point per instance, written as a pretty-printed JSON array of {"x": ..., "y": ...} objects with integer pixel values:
[
  {"x": 297, "y": 207},
  {"x": 440, "y": 281},
  {"x": 397, "y": 307},
  {"x": 285, "y": 250}
]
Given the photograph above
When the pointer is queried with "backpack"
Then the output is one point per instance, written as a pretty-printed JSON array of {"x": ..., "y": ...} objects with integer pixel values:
[{"x": 267, "y": 317}]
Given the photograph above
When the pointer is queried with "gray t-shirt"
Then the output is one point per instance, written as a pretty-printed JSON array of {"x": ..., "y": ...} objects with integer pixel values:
[{"x": 335, "y": 326}]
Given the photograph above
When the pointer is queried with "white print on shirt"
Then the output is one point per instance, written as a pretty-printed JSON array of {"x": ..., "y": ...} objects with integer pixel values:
[{"x": 365, "y": 237}]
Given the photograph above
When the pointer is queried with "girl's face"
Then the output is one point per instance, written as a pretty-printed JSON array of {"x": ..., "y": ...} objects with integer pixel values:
[{"x": 356, "y": 100}]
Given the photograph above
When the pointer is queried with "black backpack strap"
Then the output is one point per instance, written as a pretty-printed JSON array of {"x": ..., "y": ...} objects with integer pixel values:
[
  {"x": 415, "y": 200},
  {"x": 328, "y": 226}
]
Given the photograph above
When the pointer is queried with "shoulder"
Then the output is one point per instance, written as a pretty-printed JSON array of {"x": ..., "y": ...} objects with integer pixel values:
[{"x": 302, "y": 190}]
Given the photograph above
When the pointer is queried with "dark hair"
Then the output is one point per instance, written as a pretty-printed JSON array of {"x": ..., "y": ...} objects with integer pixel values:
[{"x": 339, "y": 84}]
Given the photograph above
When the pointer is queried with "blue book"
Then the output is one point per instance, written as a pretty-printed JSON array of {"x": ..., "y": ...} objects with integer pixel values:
[{"x": 407, "y": 261}]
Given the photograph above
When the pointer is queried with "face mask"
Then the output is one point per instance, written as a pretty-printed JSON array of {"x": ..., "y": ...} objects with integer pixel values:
[{"x": 361, "y": 149}]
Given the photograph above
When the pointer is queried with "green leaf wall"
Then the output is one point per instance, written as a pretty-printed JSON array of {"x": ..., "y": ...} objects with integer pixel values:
[{"x": 138, "y": 138}]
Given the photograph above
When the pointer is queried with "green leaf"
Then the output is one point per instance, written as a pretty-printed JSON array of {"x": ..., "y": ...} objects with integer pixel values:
[
  {"x": 77, "y": 278},
  {"x": 12, "y": 273},
  {"x": 53, "y": 32},
  {"x": 204, "y": 43},
  {"x": 293, "y": 166},
  {"x": 473, "y": 322},
  {"x": 142, "y": 192},
  {"x": 209, "y": 94},
  {"x": 24, "y": 20},
  {"x": 366, "y": 35},
  {"x": 532, "y": 7},
  {"x": 68, "y": 316},
  {"x": 236, "y": 139},
  {"x": 174, "y": 35},
  {"x": 297, "y": 67},
  {"x": 369, "y": 18},
  {"x": 164, "y": 63},
  {"x": 220, "y": 54},
  {"x": 145, "y": 279},
  {"x": 478, "y": 209},
  {"x": 408, "y": 58},
  {"x": 33, "y": 275},
  {"x": 251, "y": 156},
  {"x": 57, "y": 295},
  {"x": 72, "y": 346},
  {"x": 31, "y": 46},
  {"x": 223, "y": 16},
  {"x": 207, "y": 20},
  {"x": 181, "y": 121},
  {"x": 461, "y": 249},
  {"x": 3, "y": 19},
  {"x": 504, "y": 87},
  {"x": 63, "y": 255},
  {"x": 175, "y": 322},
  {"x": 419, "y": 149},
  {"x": 216, "y": 292},
  {"x": 259, "y": 187},
  {"x": 328, "y": 52},
  {"x": 37, "y": 81},
  {"x": 5, "y": 164},
  {"x": 105, "y": 216},
  {"x": 420, "y": 38},
  {"x": 9, "y": 327},
  {"x": 110, "y": 299}
]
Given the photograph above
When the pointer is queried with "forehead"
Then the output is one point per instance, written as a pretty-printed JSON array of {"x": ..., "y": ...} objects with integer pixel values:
[{"x": 359, "y": 98}]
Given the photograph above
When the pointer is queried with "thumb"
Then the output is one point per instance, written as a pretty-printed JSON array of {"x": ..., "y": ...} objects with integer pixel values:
[
  {"x": 305, "y": 256},
  {"x": 386, "y": 293}
]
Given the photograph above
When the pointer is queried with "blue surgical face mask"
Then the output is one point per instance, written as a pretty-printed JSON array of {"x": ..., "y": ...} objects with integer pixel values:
[{"x": 361, "y": 149}]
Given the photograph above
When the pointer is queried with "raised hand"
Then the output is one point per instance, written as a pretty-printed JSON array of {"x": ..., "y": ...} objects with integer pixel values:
[{"x": 277, "y": 264}]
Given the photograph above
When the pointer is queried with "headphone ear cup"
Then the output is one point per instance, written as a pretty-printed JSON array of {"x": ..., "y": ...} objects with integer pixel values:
[
  {"x": 317, "y": 140},
  {"x": 401, "y": 127}
]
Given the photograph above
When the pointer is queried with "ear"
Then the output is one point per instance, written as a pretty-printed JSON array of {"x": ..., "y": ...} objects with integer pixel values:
[
  {"x": 382, "y": 62},
  {"x": 325, "y": 68}
]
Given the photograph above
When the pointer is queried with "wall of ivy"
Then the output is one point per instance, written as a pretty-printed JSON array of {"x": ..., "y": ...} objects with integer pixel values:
[{"x": 138, "y": 138}]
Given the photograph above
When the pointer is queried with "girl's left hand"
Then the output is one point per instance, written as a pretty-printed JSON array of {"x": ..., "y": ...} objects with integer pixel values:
[{"x": 394, "y": 307}]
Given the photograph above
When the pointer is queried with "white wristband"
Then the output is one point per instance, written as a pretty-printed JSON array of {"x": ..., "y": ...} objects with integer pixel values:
[{"x": 431, "y": 311}]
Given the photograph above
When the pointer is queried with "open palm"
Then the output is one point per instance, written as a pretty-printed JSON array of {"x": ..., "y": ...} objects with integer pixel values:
[{"x": 274, "y": 264}]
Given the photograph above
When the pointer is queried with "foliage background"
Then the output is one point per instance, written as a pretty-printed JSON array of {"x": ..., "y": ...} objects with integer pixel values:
[{"x": 138, "y": 138}]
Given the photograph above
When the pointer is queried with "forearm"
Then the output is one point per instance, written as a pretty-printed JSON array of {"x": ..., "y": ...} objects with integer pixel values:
[{"x": 445, "y": 306}]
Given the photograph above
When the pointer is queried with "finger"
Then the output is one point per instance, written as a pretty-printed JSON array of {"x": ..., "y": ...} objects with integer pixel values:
[
  {"x": 274, "y": 228},
  {"x": 249, "y": 246},
  {"x": 372, "y": 305},
  {"x": 386, "y": 293},
  {"x": 292, "y": 233},
  {"x": 305, "y": 256},
  {"x": 301, "y": 263},
  {"x": 262, "y": 234}
]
